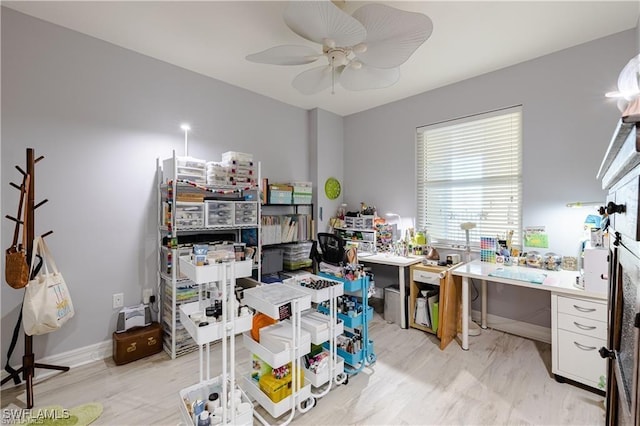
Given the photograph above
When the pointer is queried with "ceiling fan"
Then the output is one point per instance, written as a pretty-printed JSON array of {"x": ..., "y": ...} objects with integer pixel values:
[
  {"x": 363, "y": 51},
  {"x": 628, "y": 93}
]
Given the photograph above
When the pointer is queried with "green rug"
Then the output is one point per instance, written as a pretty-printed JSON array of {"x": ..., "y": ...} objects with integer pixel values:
[{"x": 56, "y": 415}]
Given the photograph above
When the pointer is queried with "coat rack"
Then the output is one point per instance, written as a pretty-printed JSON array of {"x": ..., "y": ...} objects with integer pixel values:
[{"x": 28, "y": 359}]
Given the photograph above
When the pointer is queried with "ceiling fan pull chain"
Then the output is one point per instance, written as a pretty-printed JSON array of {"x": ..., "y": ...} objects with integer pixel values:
[{"x": 333, "y": 77}]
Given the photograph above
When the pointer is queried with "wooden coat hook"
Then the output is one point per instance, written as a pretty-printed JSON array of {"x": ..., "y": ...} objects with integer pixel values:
[
  {"x": 40, "y": 203},
  {"x": 14, "y": 219},
  {"x": 21, "y": 171}
]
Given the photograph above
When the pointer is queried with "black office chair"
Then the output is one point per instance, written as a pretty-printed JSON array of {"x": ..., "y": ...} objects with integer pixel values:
[{"x": 331, "y": 249}]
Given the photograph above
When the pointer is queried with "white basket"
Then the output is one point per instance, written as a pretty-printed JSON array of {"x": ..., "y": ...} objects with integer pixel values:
[
  {"x": 202, "y": 391},
  {"x": 212, "y": 273},
  {"x": 275, "y": 409},
  {"x": 213, "y": 331}
]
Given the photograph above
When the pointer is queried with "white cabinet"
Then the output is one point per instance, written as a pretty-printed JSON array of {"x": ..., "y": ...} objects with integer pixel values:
[{"x": 578, "y": 331}]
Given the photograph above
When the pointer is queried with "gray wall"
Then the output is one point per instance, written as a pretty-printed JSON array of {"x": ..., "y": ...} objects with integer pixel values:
[
  {"x": 327, "y": 141},
  {"x": 567, "y": 126},
  {"x": 101, "y": 115}
]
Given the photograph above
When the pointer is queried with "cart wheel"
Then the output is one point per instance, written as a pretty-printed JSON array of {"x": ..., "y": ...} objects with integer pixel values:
[
  {"x": 372, "y": 358},
  {"x": 309, "y": 403},
  {"x": 342, "y": 379}
]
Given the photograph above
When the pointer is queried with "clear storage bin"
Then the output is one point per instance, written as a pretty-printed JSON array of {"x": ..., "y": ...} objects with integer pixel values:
[
  {"x": 219, "y": 213},
  {"x": 189, "y": 215},
  {"x": 246, "y": 213},
  {"x": 187, "y": 168}
]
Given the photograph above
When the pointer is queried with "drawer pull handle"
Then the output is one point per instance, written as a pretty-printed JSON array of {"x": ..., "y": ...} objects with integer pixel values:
[
  {"x": 585, "y": 348},
  {"x": 584, "y": 327},
  {"x": 581, "y": 309}
]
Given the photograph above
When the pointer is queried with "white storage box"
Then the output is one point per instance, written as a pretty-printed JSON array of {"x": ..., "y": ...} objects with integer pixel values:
[
  {"x": 219, "y": 213},
  {"x": 237, "y": 157},
  {"x": 317, "y": 324},
  {"x": 189, "y": 215},
  {"x": 187, "y": 168},
  {"x": 278, "y": 337},
  {"x": 274, "y": 359},
  {"x": 275, "y": 300}
]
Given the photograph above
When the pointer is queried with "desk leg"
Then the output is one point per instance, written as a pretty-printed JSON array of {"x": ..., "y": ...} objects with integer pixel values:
[
  {"x": 403, "y": 322},
  {"x": 466, "y": 312},
  {"x": 483, "y": 319}
]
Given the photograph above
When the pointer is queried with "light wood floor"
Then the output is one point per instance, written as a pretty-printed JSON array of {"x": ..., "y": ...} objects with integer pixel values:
[{"x": 502, "y": 380}]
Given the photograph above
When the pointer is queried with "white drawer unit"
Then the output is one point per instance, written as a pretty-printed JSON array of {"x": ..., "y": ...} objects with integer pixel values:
[
  {"x": 578, "y": 331},
  {"x": 427, "y": 276},
  {"x": 219, "y": 213},
  {"x": 189, "y": 215},
  {"x": 245, "y": 213},
  {"x": 185, "y": 168}
]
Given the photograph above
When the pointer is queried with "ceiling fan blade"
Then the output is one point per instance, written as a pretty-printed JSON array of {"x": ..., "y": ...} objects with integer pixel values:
[
  {"x": 321, "y": 21},
  {"x": 629, "y": 79},
  {"x": 285, "y": 55},
  {"x": 366, "y": 77},
  {"x": 392, "y": 34},
  {"x": 314, "y": 80}
]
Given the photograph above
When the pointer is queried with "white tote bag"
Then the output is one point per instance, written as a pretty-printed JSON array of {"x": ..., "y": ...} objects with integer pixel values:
[{"x": 47, "y": 304}]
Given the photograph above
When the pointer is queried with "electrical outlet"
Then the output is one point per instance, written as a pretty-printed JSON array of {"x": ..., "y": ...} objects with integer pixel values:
[
  {"x": 146, "y": 295},
  {"x": 118, "y": 300}
]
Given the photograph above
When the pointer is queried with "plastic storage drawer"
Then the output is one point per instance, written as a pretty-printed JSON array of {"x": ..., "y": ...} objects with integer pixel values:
[
  {"x": 187, "y": 168},
  {"x": 246, "y": 213},
  {"x": 219, "y": 213},
  {"x": 189, "y": 215}
]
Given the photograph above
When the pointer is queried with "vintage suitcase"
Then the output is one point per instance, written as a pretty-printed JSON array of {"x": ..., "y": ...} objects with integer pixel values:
[{"x": 137, "y": 343}]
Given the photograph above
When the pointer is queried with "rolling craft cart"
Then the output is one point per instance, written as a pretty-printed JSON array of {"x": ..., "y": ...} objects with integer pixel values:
[
  {"x": 281, "y": 344},
  {"x": 324, "y": 329},
  {"x": 232, "y": 405},
  {"x": 355, "y": 358}
]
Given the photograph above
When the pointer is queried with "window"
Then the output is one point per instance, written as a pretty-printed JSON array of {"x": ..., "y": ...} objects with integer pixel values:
[{"x": 470, "y": 170}]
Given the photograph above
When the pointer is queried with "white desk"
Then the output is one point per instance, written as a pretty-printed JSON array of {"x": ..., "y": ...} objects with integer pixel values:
[
  {"x": 559, "y": 282},
  {"x": 401, "y": 262}
]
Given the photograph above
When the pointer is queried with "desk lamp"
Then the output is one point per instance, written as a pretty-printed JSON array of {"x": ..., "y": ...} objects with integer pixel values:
[
  {"x": 474, "y": 329},
  {"x": 467, "y": 226}
]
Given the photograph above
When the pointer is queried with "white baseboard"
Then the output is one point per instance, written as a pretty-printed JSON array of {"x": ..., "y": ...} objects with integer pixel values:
[
  {"x": 73, "y": 358},
  {"x": 519, "y": 328}
]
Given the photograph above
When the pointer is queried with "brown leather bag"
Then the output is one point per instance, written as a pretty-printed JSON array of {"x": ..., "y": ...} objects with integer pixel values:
[{"x": 16, "y": 266}]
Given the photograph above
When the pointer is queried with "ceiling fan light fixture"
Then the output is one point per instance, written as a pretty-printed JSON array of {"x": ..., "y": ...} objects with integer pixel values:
[
  {"x": 329, "y": 43},
  {"x": 356, "y": 65},
  {"x": 337, "y": 57},
  {"x": 360, "y": 48}
]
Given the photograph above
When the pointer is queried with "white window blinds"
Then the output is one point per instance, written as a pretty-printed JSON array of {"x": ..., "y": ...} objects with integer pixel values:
[{"x": 470, "y": 170}]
